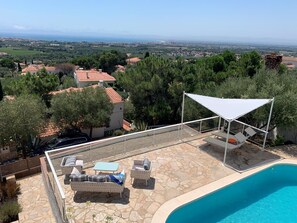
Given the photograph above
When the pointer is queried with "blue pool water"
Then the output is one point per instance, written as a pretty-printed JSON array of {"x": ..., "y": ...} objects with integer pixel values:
[{"x": 267, "y": 196}]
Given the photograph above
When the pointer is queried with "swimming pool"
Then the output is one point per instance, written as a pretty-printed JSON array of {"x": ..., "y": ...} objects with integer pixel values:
[{"x": 267, "y": 196}]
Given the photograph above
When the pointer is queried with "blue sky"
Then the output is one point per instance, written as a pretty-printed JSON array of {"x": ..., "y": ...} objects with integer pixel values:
[{"x": 243, "y": 20}]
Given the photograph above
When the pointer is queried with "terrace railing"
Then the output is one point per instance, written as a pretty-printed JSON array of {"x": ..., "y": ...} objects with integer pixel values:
[{"x": 122, "y": 146}]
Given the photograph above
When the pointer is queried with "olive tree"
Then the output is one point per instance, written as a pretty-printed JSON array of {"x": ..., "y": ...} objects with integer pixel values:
[
  {"x": 87, "y": 108},
  {"x": 21, "y": 119}
]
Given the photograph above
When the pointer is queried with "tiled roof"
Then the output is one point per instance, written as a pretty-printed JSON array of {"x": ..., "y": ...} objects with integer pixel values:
[
  {"x": 120, "y": 68},
  {"x": 93, "y": 75},
  {"x": 9, "y": 97},
  {"x": 50, "y": 69},
  {"x": 133, "y": 60},
  {"x": 126, "y": 125},
  {"x": 33, "y": 68},
  {"x": 65, "y": 90},
  {"x": 112, "y": 94}
]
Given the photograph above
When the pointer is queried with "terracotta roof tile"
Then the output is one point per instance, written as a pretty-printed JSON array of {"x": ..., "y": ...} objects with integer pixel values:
[
  {"x": 50, "y": 69},
  {"x": 126, "y": 125},
  {"x": 111, "y": 93},
  {"x": 93, "y": 75},
  {"x": 120, "y": 68},
  {"x": 33, "y": 68},
  {"x": 133, "y": 60}
]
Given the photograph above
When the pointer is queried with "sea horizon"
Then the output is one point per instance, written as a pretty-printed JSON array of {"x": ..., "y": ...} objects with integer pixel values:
[{"x": 134, "y": 39}]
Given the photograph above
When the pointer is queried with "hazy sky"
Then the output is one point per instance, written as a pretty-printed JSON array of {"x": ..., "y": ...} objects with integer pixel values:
[{"x": 263, "y": 20}]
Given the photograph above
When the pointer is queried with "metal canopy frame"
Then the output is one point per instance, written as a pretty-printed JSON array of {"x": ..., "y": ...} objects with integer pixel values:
[{"x": 229, "y": 123}]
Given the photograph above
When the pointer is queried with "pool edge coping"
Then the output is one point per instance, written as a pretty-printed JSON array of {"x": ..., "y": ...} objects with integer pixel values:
[{"x": 168, "y": 207}]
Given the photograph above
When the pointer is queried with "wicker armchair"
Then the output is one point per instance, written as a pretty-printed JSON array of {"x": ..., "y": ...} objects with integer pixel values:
[
  {"x": 68, "y": 162},
  {"x": 138, "y": 172}
]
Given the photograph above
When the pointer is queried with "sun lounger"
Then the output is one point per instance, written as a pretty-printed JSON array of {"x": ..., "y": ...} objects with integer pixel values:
[
  {"x": 250, "y": 132},
  {"x": 222, "y": 144},
  {"x": 239, "y": 137}
]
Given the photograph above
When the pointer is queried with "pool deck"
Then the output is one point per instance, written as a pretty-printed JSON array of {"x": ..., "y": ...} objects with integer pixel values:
[
  {"x": 177, "y": 170},
  {"x": 168, "y": 207}
]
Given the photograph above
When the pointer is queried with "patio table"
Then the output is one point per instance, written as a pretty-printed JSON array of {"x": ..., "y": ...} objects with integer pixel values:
[{"x": 106, "y": 167}]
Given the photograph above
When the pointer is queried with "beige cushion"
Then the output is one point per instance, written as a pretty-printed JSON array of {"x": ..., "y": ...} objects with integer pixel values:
[
  {"x": 79, "y": 163},
  {"x": 75, "y": 171},
  {"x": 136, "y": 167}
]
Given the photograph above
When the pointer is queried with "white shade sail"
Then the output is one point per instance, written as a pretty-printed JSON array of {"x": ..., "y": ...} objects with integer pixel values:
[{"x": 229, "y": 109}]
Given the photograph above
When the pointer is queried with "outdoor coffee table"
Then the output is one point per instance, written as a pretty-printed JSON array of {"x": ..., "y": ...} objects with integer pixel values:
[{"x": 106, "y": 167}]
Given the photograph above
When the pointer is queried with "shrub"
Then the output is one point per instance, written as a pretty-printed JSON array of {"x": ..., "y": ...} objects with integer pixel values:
[
  {"x": 9, "y": 211},
  {"x": 118, "y": 132},
  {"x": 9, "y": 190},
  {"x": 279, "y": 141}
]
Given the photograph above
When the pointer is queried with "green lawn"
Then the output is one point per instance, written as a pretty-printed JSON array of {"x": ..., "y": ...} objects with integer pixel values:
[{"x": 17, "y": 51}]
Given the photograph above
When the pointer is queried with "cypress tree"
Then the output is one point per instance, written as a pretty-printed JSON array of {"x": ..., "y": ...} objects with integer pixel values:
[{"x": 1, "y": 92}]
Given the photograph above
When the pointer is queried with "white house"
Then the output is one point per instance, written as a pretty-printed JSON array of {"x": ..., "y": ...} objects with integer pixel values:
[
  {"x": 33, "y": 68},
  {"x": 86, "y": 78},
  {"x": 117, "y": 115}
]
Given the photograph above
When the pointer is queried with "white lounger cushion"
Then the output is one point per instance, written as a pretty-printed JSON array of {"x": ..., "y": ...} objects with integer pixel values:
[
  {"x": 222, "y": 144},
  {"x": 250, "y": 132},
  {"x": 238, "y": 136}
]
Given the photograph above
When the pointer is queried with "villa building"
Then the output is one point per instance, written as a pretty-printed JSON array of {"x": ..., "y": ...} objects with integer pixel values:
[
  {"x": 86, "y": 78},
  {"x": 33, "y": 68},
  {"x": 133, "y": 60},
  {"x": 117, "y": 115}
]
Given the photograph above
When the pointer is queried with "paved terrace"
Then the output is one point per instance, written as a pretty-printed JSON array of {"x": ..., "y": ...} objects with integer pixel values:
[{"x": 177, "y": 169}]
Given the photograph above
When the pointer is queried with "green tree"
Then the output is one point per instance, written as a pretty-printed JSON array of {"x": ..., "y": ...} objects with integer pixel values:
[
  {"x": 148, "y": 84},
  {"x": 109, "y": 60},
  {"x": 86, "y": 62},
  {"x": 87, "y": 108},
  {"x": 266, "y": 84},
  {"x": 19, "y": 68},
  {"x": 228, "y": 57},
  {"x": 217, "y": 64},
  {"x": 129, "y": 111},
  {"x": 68, "y": 82},
  {"x": 65, "y": 68},
  {"x": 250, "y": 63},
  {"x": 40, "y": 84},
  {"x": 9, "y": 63},
  {"x": 21, "y": 120},
  {"x": 1, "y": 92}
]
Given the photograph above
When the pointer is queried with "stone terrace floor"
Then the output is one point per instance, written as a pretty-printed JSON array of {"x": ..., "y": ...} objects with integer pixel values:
[{"x": 176, "y": 170}]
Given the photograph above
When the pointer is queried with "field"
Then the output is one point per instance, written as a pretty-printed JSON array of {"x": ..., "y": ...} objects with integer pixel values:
[{"x": 18, "y": 52}]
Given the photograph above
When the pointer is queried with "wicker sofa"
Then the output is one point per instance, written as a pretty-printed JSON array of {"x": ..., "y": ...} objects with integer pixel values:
[{"x": 84, "y": 184}]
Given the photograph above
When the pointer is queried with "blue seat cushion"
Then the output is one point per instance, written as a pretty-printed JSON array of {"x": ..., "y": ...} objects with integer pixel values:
[{"x": 146, "y": 164}]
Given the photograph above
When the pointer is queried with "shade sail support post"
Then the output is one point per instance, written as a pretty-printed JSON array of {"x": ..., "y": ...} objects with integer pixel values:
[
  {"x": 268, "y": 123},
  {"x": 182, "y": 115},
  {"x": 226, "y": 144},
  {"x": 220, "y": 119}
]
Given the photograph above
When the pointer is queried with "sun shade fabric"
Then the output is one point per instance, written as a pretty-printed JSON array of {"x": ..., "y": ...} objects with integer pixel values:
[{"x": 229, "y": 109}]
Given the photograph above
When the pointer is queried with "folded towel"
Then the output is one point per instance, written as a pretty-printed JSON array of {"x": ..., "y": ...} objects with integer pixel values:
[
  {"x": 118, "y": 178},
  {"x": 146, "y": 164}
]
